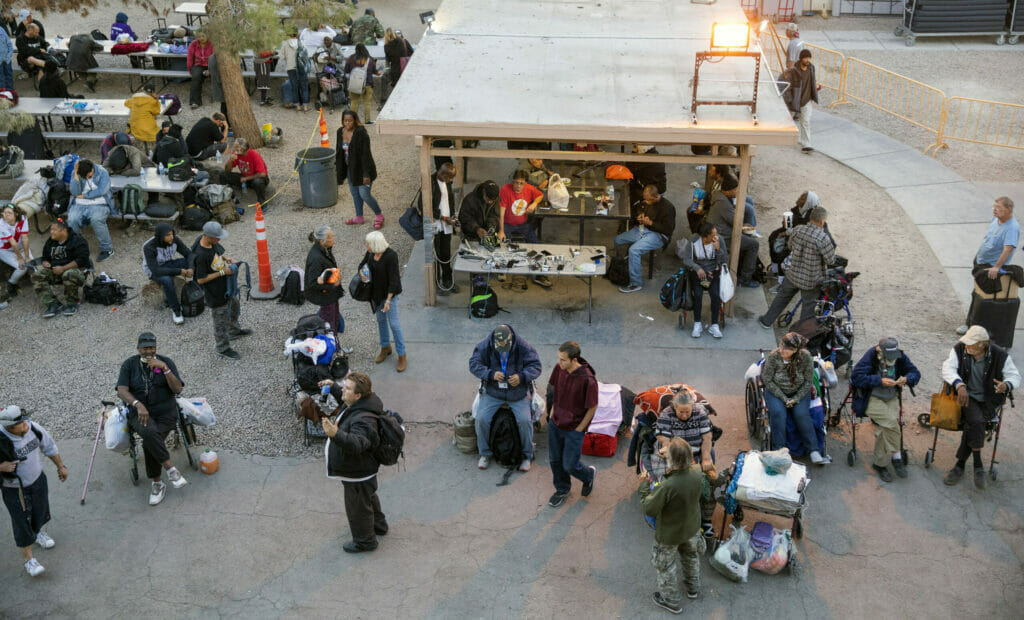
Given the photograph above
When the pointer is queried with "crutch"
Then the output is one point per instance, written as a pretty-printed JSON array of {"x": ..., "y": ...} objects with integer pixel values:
[{"x": 99, "y": 431}]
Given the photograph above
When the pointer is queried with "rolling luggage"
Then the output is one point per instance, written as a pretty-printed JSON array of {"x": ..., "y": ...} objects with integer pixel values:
[{"x": 998, "y": 316}]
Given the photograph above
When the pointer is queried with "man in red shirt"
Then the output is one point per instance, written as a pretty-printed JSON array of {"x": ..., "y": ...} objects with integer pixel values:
[
  {"x": 518, "y": 201},
  {"x": 572, "y": 409},
  {"x": 252, "y": 171}
]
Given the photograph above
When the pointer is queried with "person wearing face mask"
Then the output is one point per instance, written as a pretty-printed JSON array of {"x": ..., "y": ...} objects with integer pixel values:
[{"x": 149, "y": 383}]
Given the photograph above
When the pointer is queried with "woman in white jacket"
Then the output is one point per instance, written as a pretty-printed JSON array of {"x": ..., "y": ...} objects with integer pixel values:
[{"x": 294, "y": 66}]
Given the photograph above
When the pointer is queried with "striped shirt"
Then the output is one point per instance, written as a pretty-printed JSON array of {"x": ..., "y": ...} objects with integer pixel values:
[
  {"x": 812, "y": 251},
  {"x": 692, "y": 430}
]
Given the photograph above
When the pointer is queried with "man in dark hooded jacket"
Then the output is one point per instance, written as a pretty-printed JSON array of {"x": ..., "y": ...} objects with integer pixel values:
[
  {"x": 507, "y": 366},
  {"x": 352, "y": 436},
  {"x": 81, "y": 58},
  {"x": 479, "y": 213},
  {"x": 161, "y": 266}
]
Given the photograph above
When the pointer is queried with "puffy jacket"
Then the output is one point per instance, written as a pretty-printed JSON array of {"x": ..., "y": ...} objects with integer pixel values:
[
  {"x": 522, "y": 360},
  {"x": 142, "y": 121},
  {"x": 348, "y": 453},
  {"x": 319, "y": 259},
  {"x": 101, "y": 178},
  {"x": 865, "y": 377}
]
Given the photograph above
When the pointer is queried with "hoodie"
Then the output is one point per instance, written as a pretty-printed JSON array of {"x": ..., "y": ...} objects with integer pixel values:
[
  {"x": 155, "y": 252},
  {"x": 74, "y": 248},
  {"x": 142, "y": 121},
  {"x": 120, "y": 26},
  {"x": 349, "y": 451},
  {"x": 574, "y": 394},
  {"x": 522, "y": 360}
]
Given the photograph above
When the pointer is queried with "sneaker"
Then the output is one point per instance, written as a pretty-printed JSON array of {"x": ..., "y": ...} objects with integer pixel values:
[
  {"x": 749, "y": 283},
  {"x": 557, "y": 499},
  {"x": 245, "y": 331},
  {"x": 378, "y": 220},
  {"x": 698, "y": 329},
  {"x": 483, "y": 462},
  {"x": 760, "y": 321},
  {"x": 630, "y": 289},
  {"x": 525, "y": 465},
  {"x": 660, "y": 601},
  {"x": 230, "y": 354},
  {"x": 979, "y": 477},
  {"x": 756, "y": 234},
  {"x": 51, "y": 310},
  {"x": 588, "y": 487},
  {"x": 817, "y": 459},
  {"x": 43, "y": 540},
  {"x": 156, "y": 494},
  {"x": 715, "y": 331},
  {"x": 347, "y": 350},
  {"x": 542, "y": 281},
  {"x": 176, "y": 317},
  {"x": 807, "y": 150},
  {"x": 104, "y": 255},
  {"x": 899, "y": 467},
  {"x": 34, "y": 568},
  {"x": 354, "y": 547},
  {"x": 883, "y": 473},
  {"x": 177, "y": 480},
  {"x": 193, "y": 106},
  {"x": 70, "y": 310},
  {"x": 355, "y": 221},
  {"x": 692, "y": 595},
  {"x": 960, "y": 331},
  {"x": 954, "y": 476}
]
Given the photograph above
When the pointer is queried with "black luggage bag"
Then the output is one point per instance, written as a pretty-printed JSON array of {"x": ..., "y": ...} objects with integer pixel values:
[{"x": 998, "y": 316}]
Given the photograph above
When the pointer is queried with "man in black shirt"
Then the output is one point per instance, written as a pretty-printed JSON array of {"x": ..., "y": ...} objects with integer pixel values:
[
  {"x": 65, "y": 257},
  {"x": 149, "y": 384},
  {"x": 208, "y": 136},
  {"x": 32, "y": 51},
  {"x": 212, "y": 270},
  {"x": 656, "y": 222}
]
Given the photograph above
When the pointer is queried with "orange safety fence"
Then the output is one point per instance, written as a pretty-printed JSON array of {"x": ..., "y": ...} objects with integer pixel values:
[
  {"x": 981, "y": 122},
  {"x": 907, "y": 99}
]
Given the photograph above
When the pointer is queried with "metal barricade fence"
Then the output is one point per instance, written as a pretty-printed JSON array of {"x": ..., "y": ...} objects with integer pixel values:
[
  {"x": 915, "y": 102},
  {"x": 829, "y": 68},
  {"x": 982, "y": 122}
]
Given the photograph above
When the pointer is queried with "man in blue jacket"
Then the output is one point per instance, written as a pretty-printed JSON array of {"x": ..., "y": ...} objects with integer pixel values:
[
  {"x": 506, "y": 366},
  {"x": 92, "y": 201},
  {"x": 877, "y": 380}
]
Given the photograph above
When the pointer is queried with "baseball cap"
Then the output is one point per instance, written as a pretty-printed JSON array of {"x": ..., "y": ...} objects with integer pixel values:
[
  {"x": 791, "y": 27},
  {"x": 215, "y": 230},
  {"x": 502, "y": 339},
  {"x": 890, "y": 348},
  {"x": 974, "y": 335},
  {"x": 147, "y": 339},
  {"x": 13, "y": 415}
]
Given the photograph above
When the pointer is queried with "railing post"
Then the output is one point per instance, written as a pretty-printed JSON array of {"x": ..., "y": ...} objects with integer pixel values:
[{"x": 942, "y": 129}]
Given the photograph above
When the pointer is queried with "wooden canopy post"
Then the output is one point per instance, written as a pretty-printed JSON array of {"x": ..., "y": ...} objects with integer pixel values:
[
  {"x": 737, "y": 218},
  {"x": 430, "y": 291},
  {"x": 460, "y": 169}
]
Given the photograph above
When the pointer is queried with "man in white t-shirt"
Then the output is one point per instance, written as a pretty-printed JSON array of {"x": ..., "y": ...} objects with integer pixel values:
[
  {"x": 444, "y": 222},
  {"x": 1001, "y": 239}
]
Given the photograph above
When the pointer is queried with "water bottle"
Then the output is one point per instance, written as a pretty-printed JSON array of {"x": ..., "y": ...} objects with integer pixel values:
[
  {"x": 364, "y": 273},
  {"x": 610, "y": 191},
  {"x": 219, "y": 157},
  {"x": 160, "y": 169},
  {"x": 325, "y": 390}
]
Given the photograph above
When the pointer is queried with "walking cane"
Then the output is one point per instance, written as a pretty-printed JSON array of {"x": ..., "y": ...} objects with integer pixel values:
[
  {"x": 992, "y": 469},
  {"x": 99, "y": 430},
  {"x": 899, "y": 395}
]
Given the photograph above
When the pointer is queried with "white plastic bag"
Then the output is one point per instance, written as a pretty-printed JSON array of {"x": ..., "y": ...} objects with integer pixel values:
[
  {"x": 198, "y": 410},
  {"x": 558, "y": 195},
  {"x": 733, "y": 557},
  {"x": 726, "y": 289},
  {"x": 115, "y": 429},
  {"x": 775, "y": 558},
  {"x": 537, "y": 404},
  {"x": 476, "y": 403}
]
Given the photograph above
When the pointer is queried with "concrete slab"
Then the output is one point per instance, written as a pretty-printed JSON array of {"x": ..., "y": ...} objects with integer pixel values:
[
  {"x": 995, "y": 189},
  {"x": 955, "y": 246},
  {"x": 846, "y": 145},
  {"x": 854, "y": 40},
  {"x": 902, "y": 169},
  {"x": 943, "y": 203},
  {"x": 963, "y": 285}
]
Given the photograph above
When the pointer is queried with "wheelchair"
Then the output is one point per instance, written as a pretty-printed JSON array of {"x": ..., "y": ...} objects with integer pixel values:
[
  {"x": 184, "y": 436},
  {"x": 759, "y": 423}
]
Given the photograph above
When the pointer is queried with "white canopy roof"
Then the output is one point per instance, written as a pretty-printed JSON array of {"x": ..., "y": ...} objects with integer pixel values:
[{"x": 580, "y": 70}]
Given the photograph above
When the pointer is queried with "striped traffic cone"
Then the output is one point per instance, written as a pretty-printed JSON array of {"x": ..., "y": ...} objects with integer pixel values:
[
  {"x": 267, "y": 288},
  {"x": 324, "y": 140}
]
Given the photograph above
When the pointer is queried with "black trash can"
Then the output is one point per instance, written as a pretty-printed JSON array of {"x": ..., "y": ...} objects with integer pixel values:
[{"x": 317, "y": 177}]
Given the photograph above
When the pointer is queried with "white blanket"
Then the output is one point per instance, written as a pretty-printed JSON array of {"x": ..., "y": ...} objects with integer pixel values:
[{"x": 760, "y": 486}]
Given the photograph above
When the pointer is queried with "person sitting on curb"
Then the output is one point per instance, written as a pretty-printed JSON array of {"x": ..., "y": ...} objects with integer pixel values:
[
  {"x": 92, "y": 203},
  {"x": 655, "y": 225},
  {"x": 24, "y": 489},
  {"x": 63, "y": 263},
  {"x": 160, "y": 265},
  {"x": 149, "y": 383},
  {"x": 678, "y": 544},
  {"x": 507, "y": 366},
  {"x": 877, "y": 379},
  {"x": 982, "y": 373}
]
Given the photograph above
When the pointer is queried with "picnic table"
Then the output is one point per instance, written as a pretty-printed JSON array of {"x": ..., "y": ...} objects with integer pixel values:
[
  {"x": 194, "y": 12},
  {"x": 586, "y": 186},
  {"x": 46, "y": 108}
]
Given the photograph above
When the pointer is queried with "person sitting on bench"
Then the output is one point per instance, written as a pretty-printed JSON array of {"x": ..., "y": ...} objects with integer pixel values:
[
  {"x": 655, "y": 224},
  {"x": 32, "y": 54},
  {"x": 91, "y": 203}
]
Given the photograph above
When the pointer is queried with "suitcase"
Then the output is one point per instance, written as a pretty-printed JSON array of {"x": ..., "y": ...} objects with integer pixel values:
[
  {"x": 998, "y": 316},
  {"x": 596, "y": 444},
  {"x": 1007, "y": 289}
]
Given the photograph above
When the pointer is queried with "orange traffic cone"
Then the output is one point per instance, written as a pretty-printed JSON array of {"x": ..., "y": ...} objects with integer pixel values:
[
  {"x": 324, "y": 140},
  {"x": 267, "y": 289}
]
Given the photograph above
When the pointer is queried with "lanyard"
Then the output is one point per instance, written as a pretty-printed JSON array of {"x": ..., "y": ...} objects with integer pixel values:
[{"x": 504, "y": 361}]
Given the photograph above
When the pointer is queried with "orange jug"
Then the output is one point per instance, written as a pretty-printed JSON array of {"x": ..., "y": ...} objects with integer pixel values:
[{"x": 208, "y": 462}]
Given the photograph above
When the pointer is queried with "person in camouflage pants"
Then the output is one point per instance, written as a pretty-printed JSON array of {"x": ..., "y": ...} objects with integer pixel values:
[
  {"x": 45, "y": 283},
  {"x": 671, "y": 560},
  {"x": 63, "y": 263}
]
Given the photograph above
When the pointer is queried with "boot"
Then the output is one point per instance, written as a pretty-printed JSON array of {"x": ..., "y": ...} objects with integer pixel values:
[
  {"x": 383, "y": 355},
  {"x": 401, "y": 363}
]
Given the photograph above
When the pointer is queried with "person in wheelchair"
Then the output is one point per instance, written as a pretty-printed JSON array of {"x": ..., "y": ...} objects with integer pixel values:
[
  {"x": 982, "y": 374},
  {"x": 788, "y": 375},
  {"x": 148, "y": 383},
  {"x": 876, "y": 380}
]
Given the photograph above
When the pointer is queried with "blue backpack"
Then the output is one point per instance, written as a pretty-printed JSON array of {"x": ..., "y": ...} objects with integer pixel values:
[
  {"x": 674, "y": 294},
  {"x": 64, "y": 166}
]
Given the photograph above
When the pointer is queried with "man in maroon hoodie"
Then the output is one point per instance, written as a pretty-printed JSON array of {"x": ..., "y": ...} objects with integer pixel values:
[{"x": 575, "y": 400}]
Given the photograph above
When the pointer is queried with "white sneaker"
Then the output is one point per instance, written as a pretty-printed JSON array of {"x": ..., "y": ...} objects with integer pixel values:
[
  {"x": 483, "y": 462},
  {"x": 817, "y": 459},
  {"x": 177, "y": 318},
  {"x": 715, "y": 331},
  {"x": 177, "y": 480},
  {"x": 525, "y": 465},
  {"x": 43, "y": 540},
  {"x": 34, "y": 568},
  {"x": 698, "y": 329},
  {"x": 156, "y": 494}
]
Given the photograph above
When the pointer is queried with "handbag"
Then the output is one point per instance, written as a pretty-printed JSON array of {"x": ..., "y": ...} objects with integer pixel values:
[
  {"x": 726, "y": 289},
  {"x": 945, "y": 412},
  {"x": 558, "y": 195},
  {"x": 359, "y": 290},
  {"x": 412, "y": 222}
]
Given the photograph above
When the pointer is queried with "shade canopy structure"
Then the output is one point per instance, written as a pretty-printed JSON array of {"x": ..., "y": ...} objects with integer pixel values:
[{"x": 590, "y": 71}]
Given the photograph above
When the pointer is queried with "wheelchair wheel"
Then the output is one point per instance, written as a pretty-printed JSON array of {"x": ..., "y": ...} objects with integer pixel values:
[
  {"x": 785, "y": 319},
  {"x": 753, "y": 419},
  {"x": 929, "y": 456},
  {"x": 851, "y": 457}
]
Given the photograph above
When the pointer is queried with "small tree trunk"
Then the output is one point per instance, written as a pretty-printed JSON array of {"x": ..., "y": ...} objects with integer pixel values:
[{"x": 243, "y": 121}]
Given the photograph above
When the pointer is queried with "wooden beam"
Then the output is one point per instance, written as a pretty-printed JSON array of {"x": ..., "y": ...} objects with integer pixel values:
[
  {"x": 430, "y": 291},
  {"x": 737, "y": 217},
  {"x": 585, "y": 156}
]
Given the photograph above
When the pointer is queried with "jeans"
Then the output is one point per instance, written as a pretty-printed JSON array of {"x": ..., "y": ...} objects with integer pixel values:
[
  {"x": 167, "y": 282},
  {"x": 361, "y": 194},
  {"x": 300, "y": 88},
  {"x": 641, "y": 241},
  {"x": 564, "y": 451},
  {"x": 384, "y": 319},
  {"x": 6, "y": 75},
  {"x": 488, "y": 406},
  {"x": 95, "y": 216},
  {"x": 788, "y": 290},
  {"x": 523, "y": 230},
  {"x": 697, "y": 292},
  {"x": 211, "y": 150},
  {"x": 801, "y": 417},
  {"x": 195, "y": 91},
  {"x": 749, "y": 216}
]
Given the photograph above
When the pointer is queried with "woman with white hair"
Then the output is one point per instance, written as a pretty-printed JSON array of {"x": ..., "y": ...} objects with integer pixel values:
[{"x": 379, "y": 269}]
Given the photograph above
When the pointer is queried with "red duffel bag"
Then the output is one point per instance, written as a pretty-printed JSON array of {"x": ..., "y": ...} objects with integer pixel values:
[{"x": 596, "y": 444}]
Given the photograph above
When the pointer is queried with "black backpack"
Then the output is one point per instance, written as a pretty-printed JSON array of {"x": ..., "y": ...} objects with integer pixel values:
[
  {"x": 392, "y": 438},
  {"x": 618, "y": 270},
  {"x": 291, "y": 292},
  {"x": 97, "y": 35},
  {"x": 504, "y": 440},
  {"x": 58, "y": 197},
  {"x": 194, "y": 216},
  {"x": 483, "y": 303},
  {"x": 168, "y": 149},
  {"x": 193, "y": 299},
  {"x": 674, "y": 292},
  {"x": 106, "y": 292},
  {"x": 180, "y": 169}
]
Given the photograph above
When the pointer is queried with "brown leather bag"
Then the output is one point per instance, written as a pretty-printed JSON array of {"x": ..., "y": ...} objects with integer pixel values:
[{"x": 945, "y": 412}]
